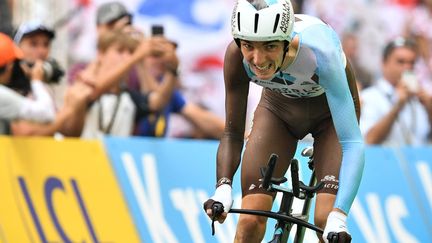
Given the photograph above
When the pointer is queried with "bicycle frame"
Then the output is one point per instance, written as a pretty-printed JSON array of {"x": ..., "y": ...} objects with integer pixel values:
[{"x": 285, "y": 218}]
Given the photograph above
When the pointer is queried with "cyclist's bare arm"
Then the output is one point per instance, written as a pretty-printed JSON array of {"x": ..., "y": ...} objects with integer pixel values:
[
  {"x": 236, "y": 91},
  {"x": 231, "y": 142}
]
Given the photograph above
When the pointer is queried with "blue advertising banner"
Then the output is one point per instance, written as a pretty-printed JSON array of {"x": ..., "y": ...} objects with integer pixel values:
[
  {"x": 165, "y": 183},
  {"x": 418, "y": 166},
  {"x": 385, "y": 209}
]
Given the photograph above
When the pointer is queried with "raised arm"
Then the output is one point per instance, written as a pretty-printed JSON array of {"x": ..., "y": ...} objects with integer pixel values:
[
  {"x": 160, "y": 97},
  {"x": 69, "y": 120},
  {"x": 160, "y": 93},
  {"x": 15, "y": 106},
  {"x": 104, "y": 81}
]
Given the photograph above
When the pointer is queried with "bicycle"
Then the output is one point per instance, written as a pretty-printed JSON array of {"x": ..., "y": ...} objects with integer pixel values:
[{"x": 285, "y": 218}]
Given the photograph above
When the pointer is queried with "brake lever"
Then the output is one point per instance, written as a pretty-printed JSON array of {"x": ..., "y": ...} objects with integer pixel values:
[{"x": 217, "y": 210}]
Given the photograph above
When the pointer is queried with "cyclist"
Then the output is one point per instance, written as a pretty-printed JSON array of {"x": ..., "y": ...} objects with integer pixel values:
[{"x": 309, "y": 88}]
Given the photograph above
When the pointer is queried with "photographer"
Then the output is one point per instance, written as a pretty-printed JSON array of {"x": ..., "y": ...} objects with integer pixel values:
[
  {"x": 34, "y": 39},
  {"x": 12, "y": 104},
  {"x": 396, "y": 110}
]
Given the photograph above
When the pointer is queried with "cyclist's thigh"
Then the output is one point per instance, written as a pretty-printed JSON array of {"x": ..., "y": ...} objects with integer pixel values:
[
  {"x": 269, "y": 135},
  {"x": 327, "y": 159},
  {"x": 327, "y": 156}
]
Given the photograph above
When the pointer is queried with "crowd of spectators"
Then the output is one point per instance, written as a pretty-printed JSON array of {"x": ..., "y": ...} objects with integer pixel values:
[
  {"x": 132, "y": 86},
  {"x": 396, "y": 110},
  {"x": 389, "y": 46}
]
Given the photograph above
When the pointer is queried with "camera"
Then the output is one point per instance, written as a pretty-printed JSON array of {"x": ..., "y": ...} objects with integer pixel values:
[
  {"x": 20, "y": 80},
  {"x": 52, "y": 70},
  {"x": 157, "y": 30},
  {"x": 410, "y": 80}
]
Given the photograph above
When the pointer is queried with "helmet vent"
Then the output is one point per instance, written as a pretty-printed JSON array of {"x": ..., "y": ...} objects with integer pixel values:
[
  {"x": 256, "y": 22},
  {"x": 238, "y": 21},
  {"x": 276, "y": 23}
]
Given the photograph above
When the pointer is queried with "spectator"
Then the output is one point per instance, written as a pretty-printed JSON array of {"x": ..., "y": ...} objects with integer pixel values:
[
  {"x": 109, "y": 16},
  {"x": 76, "y": 97},
  {"x": 100, "y": 83},
  {"x": 114, "y": 16},
  {"x": 115, "y": 108},
  {"x": 396, "y": 111},
  {"x": 206, "y": 124},
  {"x": 15, "y": 106},
  {"x": 34, "y": 39}
]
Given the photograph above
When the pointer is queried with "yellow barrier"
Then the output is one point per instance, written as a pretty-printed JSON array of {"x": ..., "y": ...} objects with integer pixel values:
[{"x": 60, "y": 191}]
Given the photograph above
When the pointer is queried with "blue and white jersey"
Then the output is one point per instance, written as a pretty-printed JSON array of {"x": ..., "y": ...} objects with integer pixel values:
[
  {"x": 302, "y": 77},
  {"x": 319, "y": 68}
]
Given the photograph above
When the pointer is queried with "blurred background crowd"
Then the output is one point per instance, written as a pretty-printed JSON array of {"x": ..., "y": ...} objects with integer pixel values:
[{"x": 89, "y": 68}]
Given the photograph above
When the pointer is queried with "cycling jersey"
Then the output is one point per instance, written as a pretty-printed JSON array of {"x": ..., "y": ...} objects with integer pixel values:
[{"x": 319, "y": 68}]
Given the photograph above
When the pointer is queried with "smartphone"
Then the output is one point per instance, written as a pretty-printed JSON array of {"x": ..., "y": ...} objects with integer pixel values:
[
  {"x": 410, "y": 80},
  {"x": 157, "y": 30}
]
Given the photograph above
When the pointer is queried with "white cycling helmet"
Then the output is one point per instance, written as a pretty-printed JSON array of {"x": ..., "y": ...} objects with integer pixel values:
[{"x": 262, "y": 20}]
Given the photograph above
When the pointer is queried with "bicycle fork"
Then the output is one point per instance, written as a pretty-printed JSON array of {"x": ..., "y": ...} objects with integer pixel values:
[{"x": 282, "y": 229}]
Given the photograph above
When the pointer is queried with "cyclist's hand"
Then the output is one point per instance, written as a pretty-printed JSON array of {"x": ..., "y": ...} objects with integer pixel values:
[
  {"x": 223, "y": 194},
  {"x": 341, "y": 237},
  {"x": 336, "y": 228}
]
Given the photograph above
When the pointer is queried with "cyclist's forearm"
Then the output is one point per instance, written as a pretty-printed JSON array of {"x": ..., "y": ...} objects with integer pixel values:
[
  {"x": 229, "y": 155},
  {"x": 350, "y": 174}
]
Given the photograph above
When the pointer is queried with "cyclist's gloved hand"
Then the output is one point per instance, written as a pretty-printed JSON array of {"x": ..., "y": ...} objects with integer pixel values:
[
  {"x": 336, "y": 223},
  {"x": 223, "y": 194}
]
